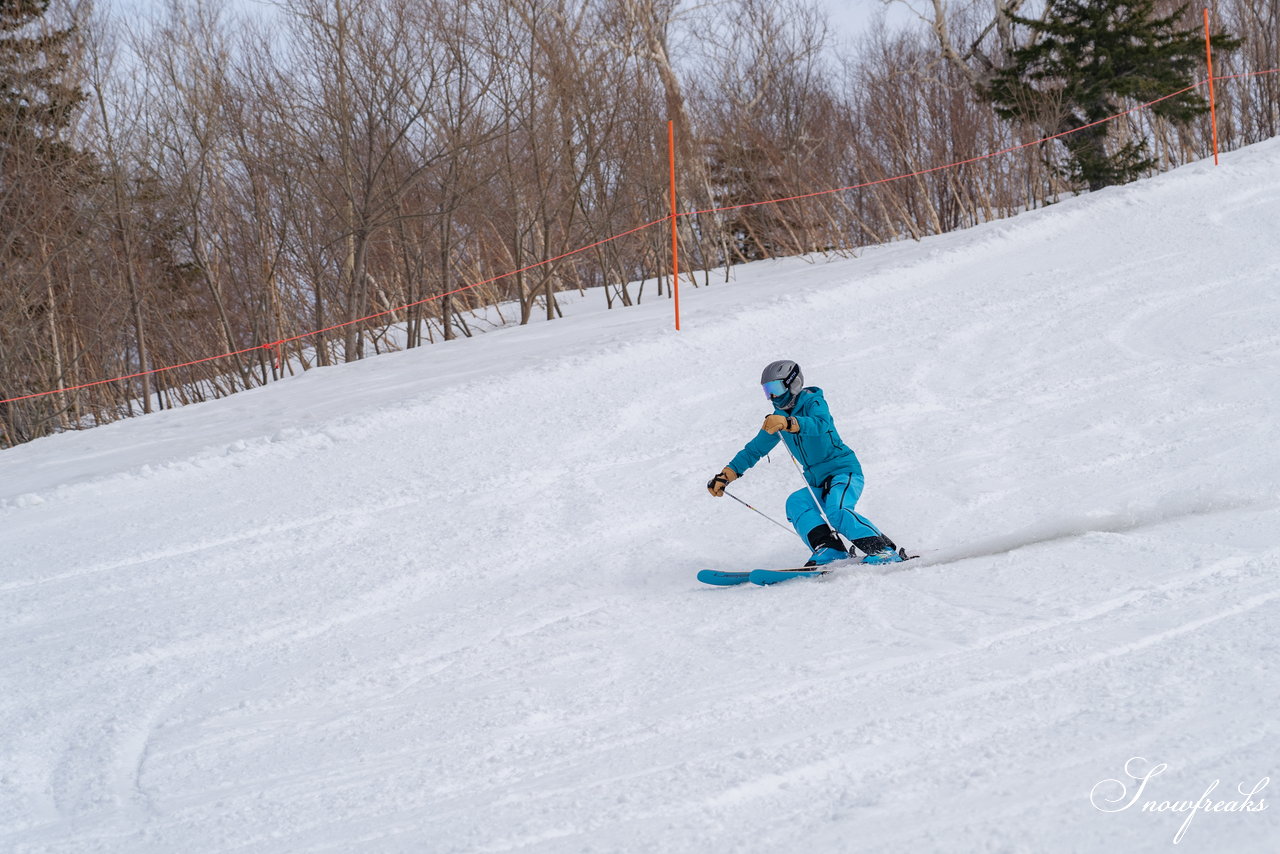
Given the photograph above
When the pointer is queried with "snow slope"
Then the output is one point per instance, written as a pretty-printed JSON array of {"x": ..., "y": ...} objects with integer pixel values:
[{"x": 443, "y": 600}]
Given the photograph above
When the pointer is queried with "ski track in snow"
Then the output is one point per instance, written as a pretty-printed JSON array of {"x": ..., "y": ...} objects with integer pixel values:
[{"x": 443, "y": 600}]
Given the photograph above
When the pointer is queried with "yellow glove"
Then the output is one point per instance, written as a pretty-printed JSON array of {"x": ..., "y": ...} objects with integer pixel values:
[
  {"x": 717, "y": 484},
  {"x": 774, "y": 423}
]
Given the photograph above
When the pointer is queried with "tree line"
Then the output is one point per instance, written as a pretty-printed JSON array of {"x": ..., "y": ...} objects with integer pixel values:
[{"x": 203, "y": 183}]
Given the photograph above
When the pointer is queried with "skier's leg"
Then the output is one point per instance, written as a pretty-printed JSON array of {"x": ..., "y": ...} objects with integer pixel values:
[
  {"x": 804, "y": 516},
  {"x": 843, "y": 492},
  {"x": 842, "y": 496}
]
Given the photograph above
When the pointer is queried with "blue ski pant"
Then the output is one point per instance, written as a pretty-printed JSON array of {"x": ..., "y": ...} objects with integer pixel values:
[{"x": 839, "y": 495}]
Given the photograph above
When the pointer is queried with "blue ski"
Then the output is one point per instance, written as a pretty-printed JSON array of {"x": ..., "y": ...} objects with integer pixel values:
[
  {"x": 723, "y": 579},
  {"x": 773, "y": 576},
  {"x": 757, "y": 576}
]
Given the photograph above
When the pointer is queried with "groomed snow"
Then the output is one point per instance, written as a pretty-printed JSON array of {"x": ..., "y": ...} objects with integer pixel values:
[{"x": 444, "y": 600}]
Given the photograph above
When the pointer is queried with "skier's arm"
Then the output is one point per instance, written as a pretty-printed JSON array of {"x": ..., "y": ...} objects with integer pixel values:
[
  {"x": 762, "y": 444},
  {"x": 817, "y": 421}
]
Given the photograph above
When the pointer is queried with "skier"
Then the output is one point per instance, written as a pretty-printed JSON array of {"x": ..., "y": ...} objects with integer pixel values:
[{"x": 801, "y": 419}]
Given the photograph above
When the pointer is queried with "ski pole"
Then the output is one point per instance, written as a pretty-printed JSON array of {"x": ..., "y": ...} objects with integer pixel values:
[
  {"x": 767, "y": 516},
  {"x": 812, "y": 550}
]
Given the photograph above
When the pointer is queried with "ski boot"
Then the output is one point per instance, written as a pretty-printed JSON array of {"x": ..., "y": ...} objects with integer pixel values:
[
  {"x": 827, "y": 547},
  {"x": 879, "y": 550},
  {"x": 824, "y": 556}
]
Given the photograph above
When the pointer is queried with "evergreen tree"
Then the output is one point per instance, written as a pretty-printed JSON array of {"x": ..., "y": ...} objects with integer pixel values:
[
  {"x": 40, "y": 172},
  {"x": 740, "y": 174},
  {"x": 45, "y": 188},
  {"x": 36, "y": 106},
  {"x": 1090, "y": 59}
]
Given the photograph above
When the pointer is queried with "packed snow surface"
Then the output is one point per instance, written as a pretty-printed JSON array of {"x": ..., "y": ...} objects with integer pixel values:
[{"x": 444, "y": 600}]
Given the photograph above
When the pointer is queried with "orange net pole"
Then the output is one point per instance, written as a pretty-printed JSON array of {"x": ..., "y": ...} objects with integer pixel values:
[
  {"x": 1213, "y": 107},
  {"x": 675, "y": 243}
]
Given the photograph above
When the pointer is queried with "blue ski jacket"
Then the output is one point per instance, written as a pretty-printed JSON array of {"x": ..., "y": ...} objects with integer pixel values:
[{"x": 818, "y": 447}]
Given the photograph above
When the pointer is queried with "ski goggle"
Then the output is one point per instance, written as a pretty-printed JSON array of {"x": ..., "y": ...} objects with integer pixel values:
[{"x": 775, "y": 388}]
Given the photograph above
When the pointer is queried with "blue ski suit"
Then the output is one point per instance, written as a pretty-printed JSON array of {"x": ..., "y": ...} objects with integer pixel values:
[{"x": 830, "y": 467}]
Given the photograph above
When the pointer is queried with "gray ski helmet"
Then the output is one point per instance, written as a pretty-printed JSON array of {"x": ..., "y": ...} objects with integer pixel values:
[{"x": 782, "y": 381}]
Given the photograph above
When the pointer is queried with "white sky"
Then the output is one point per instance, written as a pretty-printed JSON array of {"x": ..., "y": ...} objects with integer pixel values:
[{"x": 849, "y": 18}]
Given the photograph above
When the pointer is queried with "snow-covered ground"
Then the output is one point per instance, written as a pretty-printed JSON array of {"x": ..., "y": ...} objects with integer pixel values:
[{"x": 444, "y": 600}]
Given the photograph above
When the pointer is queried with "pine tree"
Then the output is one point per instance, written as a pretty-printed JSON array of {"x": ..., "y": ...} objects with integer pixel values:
[
  {"x": 45, "y": 183},
  {"x": 39, "y": 170},
  {"x": 1090, "y": 59},
  {"x": 36, "y": 106}
]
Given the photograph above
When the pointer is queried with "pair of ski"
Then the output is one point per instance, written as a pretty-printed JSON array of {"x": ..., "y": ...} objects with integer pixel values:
[
  {"x": 756, "y": 576},
  {"x": 721, "y": 578}
]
